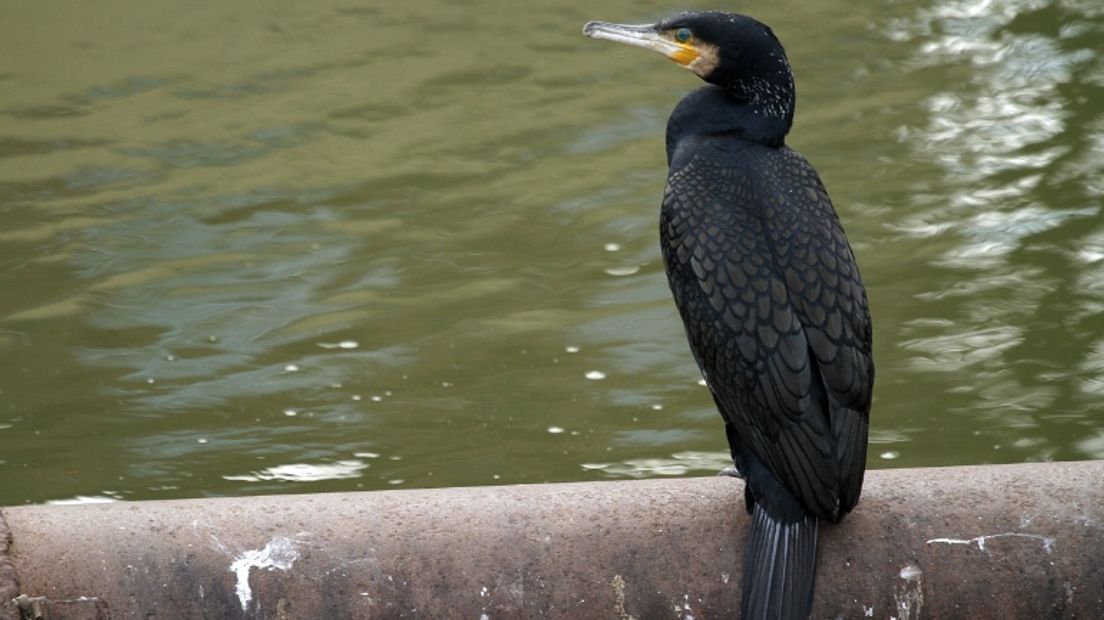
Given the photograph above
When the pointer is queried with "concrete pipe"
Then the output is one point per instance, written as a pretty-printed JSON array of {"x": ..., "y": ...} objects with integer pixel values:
[{"x": 1016, "y": 541}]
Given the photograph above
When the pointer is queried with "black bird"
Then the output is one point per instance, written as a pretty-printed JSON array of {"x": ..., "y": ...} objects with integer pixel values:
[{"x": 769, "y": 293}]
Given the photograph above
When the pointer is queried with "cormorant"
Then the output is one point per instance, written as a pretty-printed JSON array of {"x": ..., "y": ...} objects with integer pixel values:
[{"x": 769, "y": 293}]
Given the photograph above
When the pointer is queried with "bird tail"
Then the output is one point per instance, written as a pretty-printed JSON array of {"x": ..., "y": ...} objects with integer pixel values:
[{"x": 779, "y": 568}]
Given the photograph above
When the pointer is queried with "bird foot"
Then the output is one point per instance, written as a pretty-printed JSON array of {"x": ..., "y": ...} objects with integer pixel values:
[{"x": 731, "y": 472}]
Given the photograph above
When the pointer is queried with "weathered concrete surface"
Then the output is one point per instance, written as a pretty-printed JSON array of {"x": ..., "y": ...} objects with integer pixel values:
[
  {"x": 9, "y": 583},
  {"x": 1022, "y": 541}
]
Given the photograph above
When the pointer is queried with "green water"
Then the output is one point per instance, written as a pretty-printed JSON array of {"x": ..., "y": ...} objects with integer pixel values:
[{"x": 326, "y": 246}]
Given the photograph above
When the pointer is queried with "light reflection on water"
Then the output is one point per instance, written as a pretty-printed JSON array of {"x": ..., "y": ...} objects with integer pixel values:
[
  {"x": 1018, "y": 200},
  {"x": 678, "y": 464},
  {"x": 305, "y": 472},
  {"x": 242, "y": 267}
]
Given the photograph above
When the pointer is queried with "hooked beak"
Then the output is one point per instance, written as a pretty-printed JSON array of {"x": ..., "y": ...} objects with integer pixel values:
[{"x": 646, "y": 36}]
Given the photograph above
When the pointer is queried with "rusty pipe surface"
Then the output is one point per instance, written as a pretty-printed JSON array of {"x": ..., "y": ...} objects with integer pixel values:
[{"x": 1013, "y": 541}]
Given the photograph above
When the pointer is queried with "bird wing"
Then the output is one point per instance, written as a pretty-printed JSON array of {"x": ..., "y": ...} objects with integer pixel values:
[
  {"x": 827, "y": 297},
  {"x": 777, "y": 318}
]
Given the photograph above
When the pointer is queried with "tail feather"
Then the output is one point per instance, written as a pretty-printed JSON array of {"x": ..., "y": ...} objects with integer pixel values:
[{"x": 779, "y": 568}]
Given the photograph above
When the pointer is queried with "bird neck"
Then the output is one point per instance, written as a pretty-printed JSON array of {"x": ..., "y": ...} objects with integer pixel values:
[{"x": 752, "y": 115}]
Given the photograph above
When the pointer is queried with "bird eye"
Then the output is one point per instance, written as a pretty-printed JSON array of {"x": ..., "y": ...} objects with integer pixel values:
[{"x": 682, "y": 35}]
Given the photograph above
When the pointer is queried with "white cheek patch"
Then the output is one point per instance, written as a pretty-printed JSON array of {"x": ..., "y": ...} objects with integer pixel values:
[{"x": 707, "y": 60}]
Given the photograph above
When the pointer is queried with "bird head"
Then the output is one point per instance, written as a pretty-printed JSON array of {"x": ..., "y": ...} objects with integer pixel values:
[{"x": 733, "y": 51}]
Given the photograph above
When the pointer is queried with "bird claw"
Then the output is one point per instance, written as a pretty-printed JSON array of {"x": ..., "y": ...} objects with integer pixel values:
[{"x": 731, "y": 472}]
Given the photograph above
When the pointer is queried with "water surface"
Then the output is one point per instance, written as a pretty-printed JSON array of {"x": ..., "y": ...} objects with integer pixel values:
[{"x": 331, "y": 246}]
